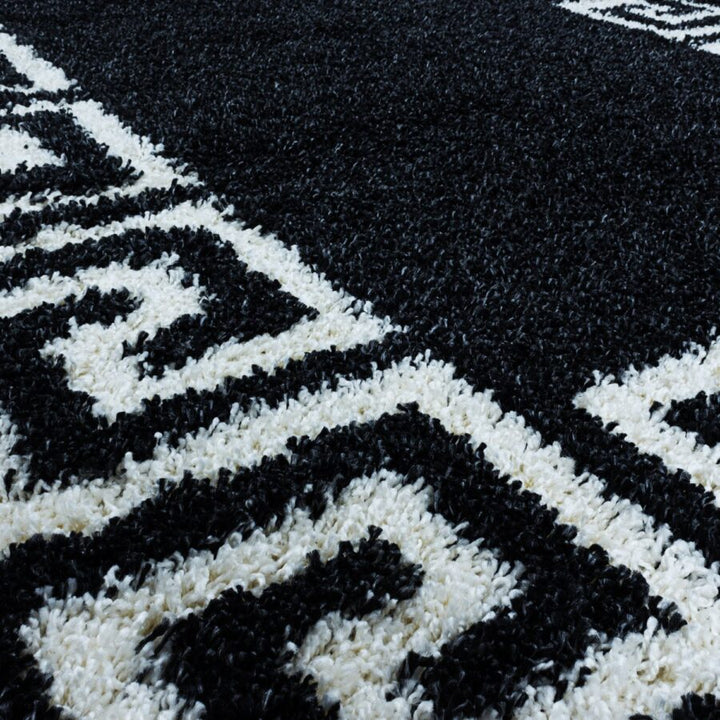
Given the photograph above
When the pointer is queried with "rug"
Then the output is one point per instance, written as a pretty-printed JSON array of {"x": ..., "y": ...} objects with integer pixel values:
[{"x": 359, "y": 360}]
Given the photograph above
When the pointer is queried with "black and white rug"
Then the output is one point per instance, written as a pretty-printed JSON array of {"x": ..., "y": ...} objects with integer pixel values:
[{"x": 359, "y": 359}]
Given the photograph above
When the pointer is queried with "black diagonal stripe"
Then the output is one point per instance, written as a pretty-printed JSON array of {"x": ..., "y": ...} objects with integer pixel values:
[
  {"x": 700, "y": 415},
  {"x": 691, "y": 707},
  {"x": 87, "y": 167},
  {"x": 180, "y": 415},
  {"x": 697, "y": 707},
  {"x": 9, "y": 99},
  {"x": 699, "y": 41},
  {"x": 231, "y": 655},
  {"x": 240, "y": 305},
  {"x": 21, "y": 226},
  {"x": 9, "y": 76},
  {"x": 670, "y": 497},
  {"x": 183, "y": 414}
]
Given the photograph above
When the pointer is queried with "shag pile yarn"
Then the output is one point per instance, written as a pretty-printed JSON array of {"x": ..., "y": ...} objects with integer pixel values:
[{"x": 359, "y": 360}]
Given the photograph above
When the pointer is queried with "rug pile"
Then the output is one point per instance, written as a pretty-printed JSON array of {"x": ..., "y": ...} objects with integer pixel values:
[{"x": 359, "y": 360}]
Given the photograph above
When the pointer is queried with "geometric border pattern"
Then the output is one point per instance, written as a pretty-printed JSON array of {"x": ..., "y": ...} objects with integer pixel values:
[
  {"x": 644, "y": 671},
  {"x": 691, "y": 23}
]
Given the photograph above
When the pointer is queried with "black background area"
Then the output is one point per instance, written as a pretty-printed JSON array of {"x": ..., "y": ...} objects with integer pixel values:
[{"x": 533, "y": 191}]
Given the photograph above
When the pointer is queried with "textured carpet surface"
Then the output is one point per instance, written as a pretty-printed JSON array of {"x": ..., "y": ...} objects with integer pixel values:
[{"x": 359, "y": 360}]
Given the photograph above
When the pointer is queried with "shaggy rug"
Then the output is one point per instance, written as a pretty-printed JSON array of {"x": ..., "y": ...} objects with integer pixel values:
[{"x": 359, "y": 359}]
